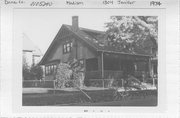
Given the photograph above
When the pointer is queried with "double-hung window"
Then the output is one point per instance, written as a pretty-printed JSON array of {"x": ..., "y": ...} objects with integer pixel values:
[
  {"x": 50, "y": 69},
  {"x": 67, "y": 47}
]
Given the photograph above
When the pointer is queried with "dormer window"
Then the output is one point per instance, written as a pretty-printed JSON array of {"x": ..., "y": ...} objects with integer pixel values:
[{"x": 67, "y": 47}]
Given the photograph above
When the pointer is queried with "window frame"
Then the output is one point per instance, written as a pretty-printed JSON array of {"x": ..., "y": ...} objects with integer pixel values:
[
  {"x": 67, "y": 47},
  {"x": 50, "y": 69}
]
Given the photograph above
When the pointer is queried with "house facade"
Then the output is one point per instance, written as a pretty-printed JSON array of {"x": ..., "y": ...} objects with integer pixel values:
[{"x": 99, "y": 61}]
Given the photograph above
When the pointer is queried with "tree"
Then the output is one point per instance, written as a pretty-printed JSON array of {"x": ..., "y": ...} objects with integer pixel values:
[
  {"x": 34, "y": 72},
  {"x": 26, "y": 70},
  {"x": 128, "y": 32}
]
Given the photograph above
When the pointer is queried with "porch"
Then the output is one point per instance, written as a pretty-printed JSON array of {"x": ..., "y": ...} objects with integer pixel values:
[
  {"x": 110, "y": 66},
  {"x": 110, "y": 74}
]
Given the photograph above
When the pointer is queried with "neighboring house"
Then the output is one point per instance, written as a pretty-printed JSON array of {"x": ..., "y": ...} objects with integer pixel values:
[
  {"x": 31, "y": 53},
  {"x": 100, "y": 61}
]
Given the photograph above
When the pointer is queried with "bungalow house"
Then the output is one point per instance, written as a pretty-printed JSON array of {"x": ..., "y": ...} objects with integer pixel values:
[{"x": 99, "y": 61}]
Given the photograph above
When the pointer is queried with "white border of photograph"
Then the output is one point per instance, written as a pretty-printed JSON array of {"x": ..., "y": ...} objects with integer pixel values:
[{"x": 168, "y": 61}]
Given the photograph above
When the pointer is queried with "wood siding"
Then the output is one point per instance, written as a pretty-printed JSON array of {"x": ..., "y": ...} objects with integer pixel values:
[
  {"x": 83, "y": 52},
  {"x": 79, "y": 51}
]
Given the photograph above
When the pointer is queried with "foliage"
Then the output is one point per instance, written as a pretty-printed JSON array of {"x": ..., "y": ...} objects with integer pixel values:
[
  {"x": 63, "y": 74},
  {"x": 69, "y": 75},
  {"x": 34, "y": 72},
  {"x": 127, "y": 32},
  {"x": 26, "y": 70}
]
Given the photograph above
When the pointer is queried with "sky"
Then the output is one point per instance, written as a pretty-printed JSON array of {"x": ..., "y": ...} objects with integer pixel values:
[{"x": 42, "y": 25}]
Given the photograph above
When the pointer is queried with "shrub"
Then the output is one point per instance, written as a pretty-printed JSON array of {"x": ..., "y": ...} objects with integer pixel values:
[{"x": 69, "y": 75}]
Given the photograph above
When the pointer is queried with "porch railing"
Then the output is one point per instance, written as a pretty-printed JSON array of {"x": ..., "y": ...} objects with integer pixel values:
[
  {"x": 93, "y": 74},
  {"x": 108, "y": 74},
  {"x": 105, "y": 83},
  {"x": 94, "y": 78}
]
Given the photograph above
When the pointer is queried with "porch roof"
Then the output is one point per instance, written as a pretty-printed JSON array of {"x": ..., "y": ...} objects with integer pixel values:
[{"x": 123, "y": 53}]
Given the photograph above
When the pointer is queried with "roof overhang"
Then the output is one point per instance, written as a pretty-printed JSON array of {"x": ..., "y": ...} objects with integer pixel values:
[{"x": 122, "y": 53}]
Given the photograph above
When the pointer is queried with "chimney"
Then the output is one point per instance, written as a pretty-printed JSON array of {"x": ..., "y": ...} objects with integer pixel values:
[{"x": 75, "y": 23}]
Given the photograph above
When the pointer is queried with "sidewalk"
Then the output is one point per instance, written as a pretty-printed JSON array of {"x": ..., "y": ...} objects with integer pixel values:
[
  {"x": 35, "y": 90},
  {"x": 46, "y": 90}
]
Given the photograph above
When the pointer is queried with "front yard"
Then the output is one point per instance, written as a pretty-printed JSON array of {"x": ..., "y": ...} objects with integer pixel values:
[{"x": 99, "y": 97}]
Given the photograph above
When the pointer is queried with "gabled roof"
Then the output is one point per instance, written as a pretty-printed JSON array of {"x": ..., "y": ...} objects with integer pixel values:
[{"x": 95, "y": 40}]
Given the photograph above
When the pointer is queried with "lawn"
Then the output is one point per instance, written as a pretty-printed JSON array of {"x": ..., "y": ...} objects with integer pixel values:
[
  {"x": 98, "y": 98},
  {"x": 148, "y": 101}
]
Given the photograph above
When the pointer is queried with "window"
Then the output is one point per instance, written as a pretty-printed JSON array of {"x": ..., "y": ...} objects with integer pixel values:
[
  {"x": 54, "y": 68},
  {"x": 67, "y": 47},
  {"x": 46, "y": 71},
  {"x": 50, "y": 69},
  {"x": 64, "y": 48}
]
